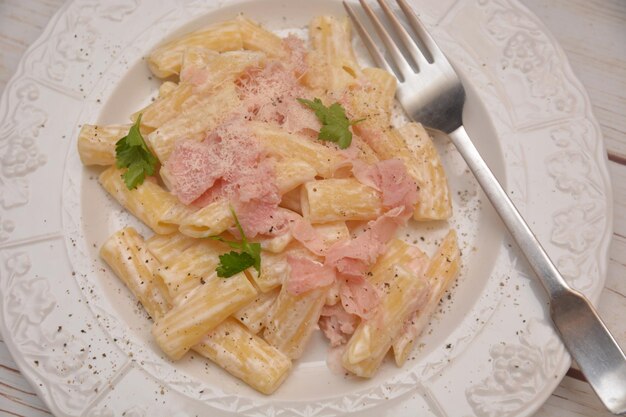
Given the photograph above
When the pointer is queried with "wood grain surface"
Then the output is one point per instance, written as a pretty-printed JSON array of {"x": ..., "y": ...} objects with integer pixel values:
[{"x": 593, "y": 34}]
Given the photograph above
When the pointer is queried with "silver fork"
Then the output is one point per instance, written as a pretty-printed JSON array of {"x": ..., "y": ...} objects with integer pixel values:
[{"x": 434, "y": 96}]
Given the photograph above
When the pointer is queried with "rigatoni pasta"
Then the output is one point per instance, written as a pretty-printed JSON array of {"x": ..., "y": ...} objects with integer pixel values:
[
  {"x": 229, "y": 345},
  {"x": 245, "y": 355},
  {"x": 167, "y": 59},
  {"x": 128, "y": 256},
  {"x": 441, "y": 273},
  {"x": 372, "y": 339},
  {"x": 292, "y": 320},
  {"x": 193, "y": 122},
  {"x": 341, "y": 199},
  {"x": 277, "y": 190},
  {"x": 96, "y": 144},
  {"x": 149, "y": 202},
  {"x": 202, "y": 310}
]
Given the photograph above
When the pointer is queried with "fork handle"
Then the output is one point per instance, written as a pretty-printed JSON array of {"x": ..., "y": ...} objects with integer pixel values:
[{"x": 583, "y": 332}]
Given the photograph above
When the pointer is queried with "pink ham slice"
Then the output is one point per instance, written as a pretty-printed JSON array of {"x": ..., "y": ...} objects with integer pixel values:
[
  {"x": 358, "y": 296},
  {"x": 228, "y": 164},
  {"x": 306, "y": 234},
  {"x": 262, "y": 219},
  {"x": 337, "y": 324},
  {"x": 307, "y": 275},
  {"x": 296, "y": 48},
  {"x": 189, "y": 170},
  {"x": 270, "y": 95},
  {"x": 356, "y": 256},
  {"x": 392, "y": 179}
]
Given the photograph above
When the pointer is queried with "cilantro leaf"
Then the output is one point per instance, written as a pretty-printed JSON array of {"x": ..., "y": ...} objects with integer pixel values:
[
  {"x": 335, "y": 123},
  {"x": 233, "y": 263},
  {"x": 132, "y": 152}
]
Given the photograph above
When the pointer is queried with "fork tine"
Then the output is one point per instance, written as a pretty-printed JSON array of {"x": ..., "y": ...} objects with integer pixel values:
[
  {"x": 398, "y": 59},
  {"x": 421, "y": 31},
  {"x": 367, "y": 40},
  {"x": 406, "y": 39}
]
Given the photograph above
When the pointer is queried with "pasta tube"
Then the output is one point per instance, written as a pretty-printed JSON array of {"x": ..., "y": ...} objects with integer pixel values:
[
  {"x": 210, "y": 220},
  {"x": 253, "y": 315},
  {"x": 373, "y": 100},
  {"x": 343, "y": 199},
  {"x": 166, "y": 248},
  {"x": 164, "y": 108},
  {"x": 441, "y": 273},
  {"x": 412, "y": 144},
  {"x": 194, "y": 122},
  {"x": 245, "y": 355},
  {"x": 167, "y": 59},
  {"x": 398, "y": 252},
  {"x": 207, "y": 69},
  {"x": 292, "y": 320},
  {"x": 369, "y": 344},
  {"x": 127, "y": 254},
  {"x": 202, "y": 310},
  {"x": 150, "y": 203},
  {"x": 324, "y": 160},
  {"x": 191, "y": 268},
  {"x": 332, "y": 64},
  {"x": 426, "y": 168},
  {"x": 96, "y": 144},
  {"x": 166, "y": 88},
  {"x": 256, "y": 38},
  {"x": 291, "y": 172}
]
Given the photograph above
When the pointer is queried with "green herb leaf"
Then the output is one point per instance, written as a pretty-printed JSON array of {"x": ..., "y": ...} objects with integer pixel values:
[
  {"x": 132, "y": 152},
  {"x": 234, "y": 262},
  {"x": 335, "y": 123}
]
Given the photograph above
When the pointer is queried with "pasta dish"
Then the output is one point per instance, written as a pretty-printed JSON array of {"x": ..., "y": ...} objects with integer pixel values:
[{"x": 276, "y": 188}]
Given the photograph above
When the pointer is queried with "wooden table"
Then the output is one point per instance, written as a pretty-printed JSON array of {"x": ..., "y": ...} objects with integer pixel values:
[{"x": 592, "y": 32}]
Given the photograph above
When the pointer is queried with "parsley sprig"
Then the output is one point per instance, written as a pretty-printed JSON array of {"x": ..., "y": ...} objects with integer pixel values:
[
  {"x": 335, "y": 123},
  {"x": 232, "y": 263},
  {"x": 132, "y": 152}
]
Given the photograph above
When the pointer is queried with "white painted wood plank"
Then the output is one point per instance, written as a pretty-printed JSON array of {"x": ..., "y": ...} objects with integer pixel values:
[
  {"x": 17, "y": 397},
  {"x": 612, "y": 303},
  {"x": 21, "y": 23},
  {"x": 573, "y": 398}
]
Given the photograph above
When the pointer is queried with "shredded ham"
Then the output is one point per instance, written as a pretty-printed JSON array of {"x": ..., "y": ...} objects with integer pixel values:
[
  {"x": 270, "y": 95},
  {"x": 306, "y": 234},
  {"x": 296, "y": 49},
  {"x": 391, "y": 178},
  {"x": 356, "y": 256},
  {"x": 190, "y": 169},
  {"x": 228, "y": 164},
  {"x": 337, "y": 324},
  {"x": 307, "y": 275},
  {"x": 213, "y": 194},
  {"x": 358, "y": 296}
]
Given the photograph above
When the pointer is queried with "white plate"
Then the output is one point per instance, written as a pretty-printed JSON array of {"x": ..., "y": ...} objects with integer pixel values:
[{"x": 84, "y": 344}]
